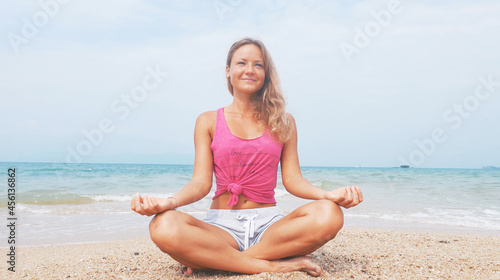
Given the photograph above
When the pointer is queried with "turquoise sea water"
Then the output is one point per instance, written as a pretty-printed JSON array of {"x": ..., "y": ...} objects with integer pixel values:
[{"x": 75, "y": 203}]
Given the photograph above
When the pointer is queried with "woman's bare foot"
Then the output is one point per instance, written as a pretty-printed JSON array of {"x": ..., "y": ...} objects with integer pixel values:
[
  {"x": 287, "y": 265},
  {"x": 188, "y": 271},
  {"x": 299, "y": 264}
]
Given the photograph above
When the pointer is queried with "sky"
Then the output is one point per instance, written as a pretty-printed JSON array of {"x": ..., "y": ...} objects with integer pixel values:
[{"x": 370, "y": 83}]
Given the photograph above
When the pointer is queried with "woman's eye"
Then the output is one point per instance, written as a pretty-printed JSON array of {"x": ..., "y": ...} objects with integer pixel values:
[{"x": 259, "y": 65}]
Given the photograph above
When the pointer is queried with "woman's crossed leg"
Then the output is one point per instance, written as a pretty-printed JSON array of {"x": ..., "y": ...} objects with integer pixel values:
[{"x": 199, "y": 245}]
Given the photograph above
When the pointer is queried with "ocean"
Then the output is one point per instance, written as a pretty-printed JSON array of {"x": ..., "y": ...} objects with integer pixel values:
[{"x": 58, "y": 203}]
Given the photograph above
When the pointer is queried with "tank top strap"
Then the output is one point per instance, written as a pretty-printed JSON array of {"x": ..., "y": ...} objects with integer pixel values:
[{"x": 221, "y": 129}]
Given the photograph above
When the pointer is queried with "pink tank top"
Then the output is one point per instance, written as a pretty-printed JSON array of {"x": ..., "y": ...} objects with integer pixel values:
[{"x": 241, "y": 166}]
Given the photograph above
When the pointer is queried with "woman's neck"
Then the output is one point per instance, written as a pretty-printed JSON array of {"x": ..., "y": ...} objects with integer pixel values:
[{"x": 242, "y": 107}]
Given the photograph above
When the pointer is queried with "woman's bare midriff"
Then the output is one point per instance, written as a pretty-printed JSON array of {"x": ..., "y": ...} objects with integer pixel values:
[{"x": 243, "y": 203}]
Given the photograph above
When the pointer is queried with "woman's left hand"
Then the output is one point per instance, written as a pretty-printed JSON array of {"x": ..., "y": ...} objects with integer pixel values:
[
  {"x": 346, "y": 197},
  {"x": 149, "y": 205}
]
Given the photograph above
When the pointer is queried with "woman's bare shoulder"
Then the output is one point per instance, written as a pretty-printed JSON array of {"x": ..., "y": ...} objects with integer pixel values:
[
  {"x": 208, "y": 116},
  {"x": 206, "y": 121}
]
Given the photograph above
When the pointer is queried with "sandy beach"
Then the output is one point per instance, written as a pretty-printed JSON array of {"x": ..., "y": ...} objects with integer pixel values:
[{"x": 356, "y": 253}]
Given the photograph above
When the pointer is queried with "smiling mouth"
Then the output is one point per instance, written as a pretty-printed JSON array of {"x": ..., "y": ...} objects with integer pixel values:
[{"x": 251, "y": 80}]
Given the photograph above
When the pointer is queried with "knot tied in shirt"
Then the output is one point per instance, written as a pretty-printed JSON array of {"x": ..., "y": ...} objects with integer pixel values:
[{"x": 235, "y": 190}]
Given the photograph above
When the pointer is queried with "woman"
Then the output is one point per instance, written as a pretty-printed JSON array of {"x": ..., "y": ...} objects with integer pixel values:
[{"x": 242, "y": 144}]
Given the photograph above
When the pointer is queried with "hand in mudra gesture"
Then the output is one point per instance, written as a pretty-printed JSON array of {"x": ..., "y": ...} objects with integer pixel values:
[
  {"x": 150, "y": 205},
  {"x": 346, "y": 197}
]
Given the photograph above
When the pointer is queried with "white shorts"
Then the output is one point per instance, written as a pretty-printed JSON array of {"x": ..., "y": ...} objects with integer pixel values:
[{"x": 246, "y": 226}]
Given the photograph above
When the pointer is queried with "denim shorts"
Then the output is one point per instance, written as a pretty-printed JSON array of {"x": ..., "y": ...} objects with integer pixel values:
[{"x": 246, "y": 226}]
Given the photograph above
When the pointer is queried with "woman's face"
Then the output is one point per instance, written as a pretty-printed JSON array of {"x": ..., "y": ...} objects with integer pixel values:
[{"x": 246, "y": 72}]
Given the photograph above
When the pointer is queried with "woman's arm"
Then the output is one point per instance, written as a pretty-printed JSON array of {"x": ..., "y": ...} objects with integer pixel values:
[
  {"x": 201, "y": 182},
  {"x": 297, "y": 185}
]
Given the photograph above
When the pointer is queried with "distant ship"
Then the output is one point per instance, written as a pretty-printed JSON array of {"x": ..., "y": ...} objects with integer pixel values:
[{"x": 404, "y": 166}]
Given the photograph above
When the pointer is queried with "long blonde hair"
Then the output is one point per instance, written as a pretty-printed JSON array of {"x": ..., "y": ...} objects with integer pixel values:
[{"x": 269, "y": 103}]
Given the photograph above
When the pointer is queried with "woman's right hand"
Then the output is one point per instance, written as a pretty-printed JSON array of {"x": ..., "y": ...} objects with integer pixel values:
[
  {"x": 346, "y": 197},
  {"x": 150, "y": 205}
]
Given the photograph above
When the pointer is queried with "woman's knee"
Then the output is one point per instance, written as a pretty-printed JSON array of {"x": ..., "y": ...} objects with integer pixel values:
[
  {"x": 164, "y": 229},
  {"x": 328, "y": 217}
]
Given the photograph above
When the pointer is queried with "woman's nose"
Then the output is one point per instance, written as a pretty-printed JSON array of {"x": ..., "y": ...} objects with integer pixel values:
[{"x": 249, "y": 68}]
